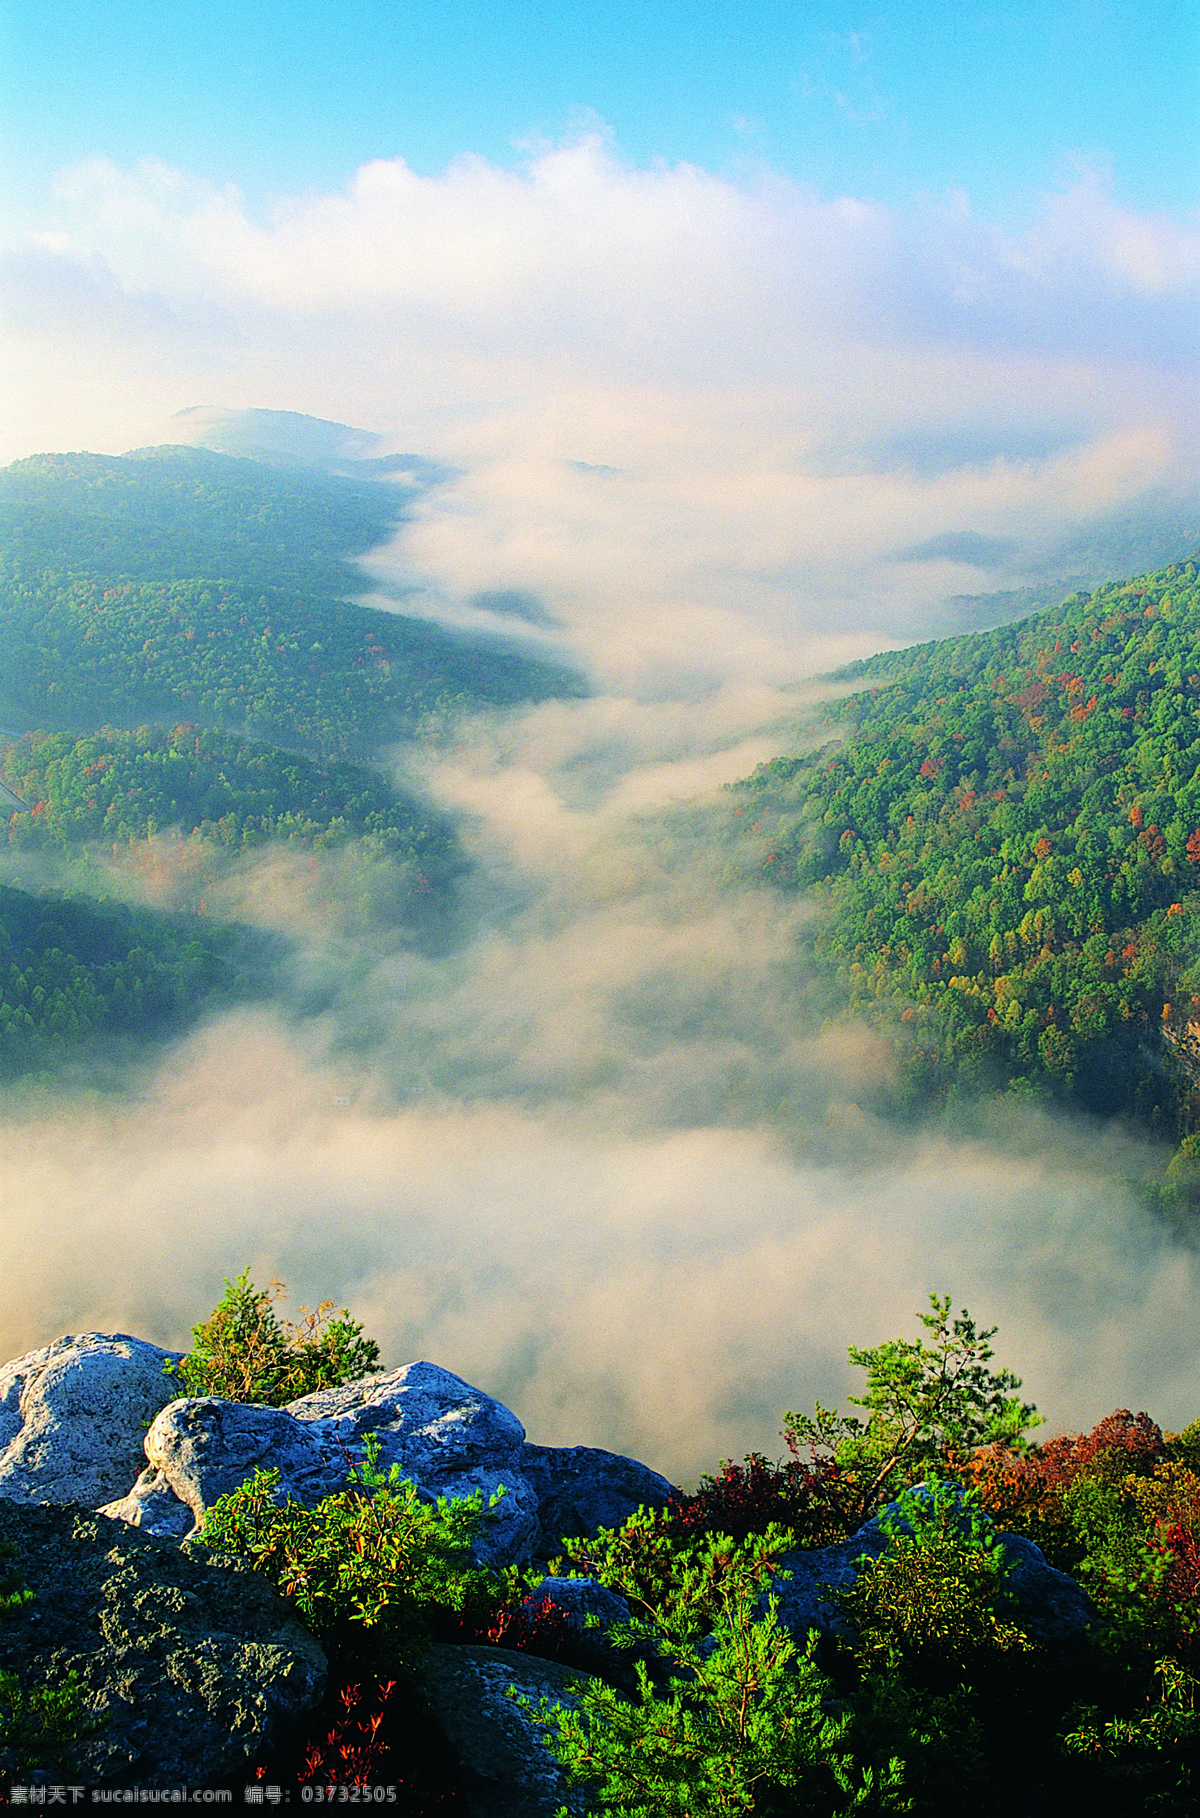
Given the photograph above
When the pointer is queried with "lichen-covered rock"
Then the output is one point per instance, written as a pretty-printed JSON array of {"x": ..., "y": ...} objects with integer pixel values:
[
  {"x": 806, "y": 1584},
  {"x": 73, "y": 1417},
  {"x": 448, "y": 1438},
  {"x": 153, "y": 1506},
  {"x": 190, "y": 1661},
  {"x": 506, "y": 1769},
  {"x": 581, "y": 1489}
]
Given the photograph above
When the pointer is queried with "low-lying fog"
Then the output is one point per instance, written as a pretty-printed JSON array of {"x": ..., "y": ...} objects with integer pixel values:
[
  {"x": 605, "y": 1158},
  {"x": 707, "y": 437}
]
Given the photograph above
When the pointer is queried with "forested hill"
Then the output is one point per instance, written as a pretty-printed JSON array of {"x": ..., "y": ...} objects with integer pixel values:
[
  {"x": 181, "y": 584},
  {"x": 74, "y": 972},
  {"x": 175, "y": 631},
  {"x": 1008, "y": 840},
  {"x": 164, "y": 514},
  {"x": 116, "y": 788}
]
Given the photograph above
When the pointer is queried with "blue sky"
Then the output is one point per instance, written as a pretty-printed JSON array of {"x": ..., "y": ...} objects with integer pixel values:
[
  {"x": 885, "y": 101},
  {"x": 715, "y": 311},
  {"x": 743, "y": 335}
]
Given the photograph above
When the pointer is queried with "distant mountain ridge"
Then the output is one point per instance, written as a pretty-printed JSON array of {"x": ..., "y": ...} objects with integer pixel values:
[
  {"x": 176, "y": 623},
  {"x": 179, "y": 583}
]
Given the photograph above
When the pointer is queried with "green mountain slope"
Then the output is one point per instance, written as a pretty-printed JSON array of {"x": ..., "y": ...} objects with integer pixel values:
[
  {"x": 185, "y": 584},
  {"x": 74, "y": 970},
  {"x": 1008, "y": 843},
  {"x": 181, "y": 585},
  {"x": 164, "y": 513},
  {"x": 116, "y": 788}
]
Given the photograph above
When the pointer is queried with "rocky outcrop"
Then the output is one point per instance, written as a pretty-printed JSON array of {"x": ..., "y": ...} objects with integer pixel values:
[
  {"x": 189, "y": 1662},
  {"x": 581, "y": 1489},
  {"x": 450, "y": 1439},
  {"x": 74, "y": 1414},
  {"x": 1052, "y": 1607},
  {"x": 92, "y": 1421},
  {"x": 446, "y": 1437},
  {"x": 505, "y": 1768}
]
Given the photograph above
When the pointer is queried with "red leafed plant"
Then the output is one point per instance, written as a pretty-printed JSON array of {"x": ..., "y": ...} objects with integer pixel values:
[
  {"x": 371, "y": 1732},
  {"x": 539, "y": 1628},
  {"x": 746, "y": 1498},
  {"x": 357, "y": 1749},
  {"x": 1120, "y": 1443}
]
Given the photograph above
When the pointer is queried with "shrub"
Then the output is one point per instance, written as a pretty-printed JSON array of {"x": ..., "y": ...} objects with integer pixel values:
[
  {"x": 42, "y": 1727},
  {"x": 933, "y": 1605},
  {"x": 1149, "y": 1760},
  {"x": 242, "y": 1352},
  {"x": 802, "y": 1496},
  {"x": 367, "y": 1567},
  {"x": 745, "y": 1722}
]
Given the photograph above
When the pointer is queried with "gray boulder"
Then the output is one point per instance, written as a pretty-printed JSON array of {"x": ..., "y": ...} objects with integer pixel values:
[
  {"x": 505, "y": 1767},
  {"x": 448, "y": 1438},
  {"x": 1052, "y": 1607},
  {"x": 590, "y": 1610},
  {"x": 581, "y": 1489},
  {"x": 74, "y": 1414},
  {"x": 190, "y": 1662},
  {"x": 153, "y": 1506}
]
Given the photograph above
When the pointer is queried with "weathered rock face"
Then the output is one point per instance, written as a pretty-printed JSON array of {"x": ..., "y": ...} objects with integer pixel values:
[
  {"x": 191, "y": 1660},
  {"x": 581, "y": 1489},
  {"x": 506, "y": 1770},
  {"x": 1053, "y": 1608},
  {"x": 590, "y": 1610},
  {"x": 74, "y": 1414},
  {"x": 92, "y": 1421},
  {"x": 448, "y": 1438}
]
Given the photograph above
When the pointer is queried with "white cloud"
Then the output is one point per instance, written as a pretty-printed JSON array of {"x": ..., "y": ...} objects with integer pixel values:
[
  {"x": 696, "y": 417},
  {"x": 597, "y": 1157}
]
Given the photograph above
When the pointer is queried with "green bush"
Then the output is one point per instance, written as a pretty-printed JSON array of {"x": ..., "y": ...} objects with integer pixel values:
[
  {"x": 369, "y": 1567},
  {"x": 242, "y": 1352},
  {"x": 42, "y": 1727},
  {"x": 1150, "y": 1757},
  {"x": 934, "y": 1604},
  {"x": 735, "y": 1717}
]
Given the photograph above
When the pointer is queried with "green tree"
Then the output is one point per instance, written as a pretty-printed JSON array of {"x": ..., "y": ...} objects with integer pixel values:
[
  {"x": 746, "y": 1722},
  {"x": 929, "y": 1404},
  {"x": 243, "y": 1352}
]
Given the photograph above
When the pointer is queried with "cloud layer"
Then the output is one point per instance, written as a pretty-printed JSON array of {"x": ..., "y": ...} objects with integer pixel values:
[
  {"x": 605, "y": 1157},
  {"x": 698, "y": 420}
]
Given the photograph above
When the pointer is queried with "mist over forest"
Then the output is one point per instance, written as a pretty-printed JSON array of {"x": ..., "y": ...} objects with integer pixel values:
[{"x": 451, "y": 984}]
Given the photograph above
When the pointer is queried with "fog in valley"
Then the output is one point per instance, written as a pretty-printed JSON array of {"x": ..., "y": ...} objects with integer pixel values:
[
  {"x": 605, "y": 1150},
  {"x": 606, "y": 1157}
]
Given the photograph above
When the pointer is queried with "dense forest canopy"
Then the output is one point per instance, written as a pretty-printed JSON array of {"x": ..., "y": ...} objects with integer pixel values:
[
  {"x": 122, "y": 786},
  {"x": 163, "y": 513},
  {"x": 72, "y": 969},
  {"x": 1007, "y": 836},
  {"x": 184, "y": 584},
  {"x": 175, "y": 617}
]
